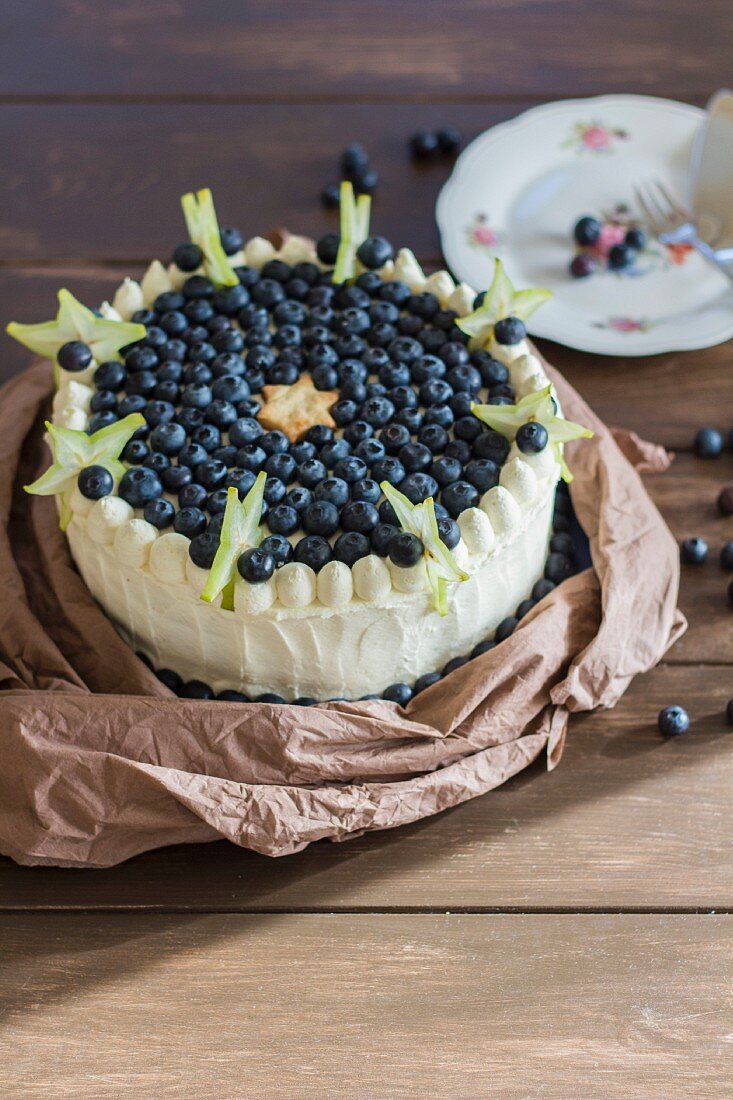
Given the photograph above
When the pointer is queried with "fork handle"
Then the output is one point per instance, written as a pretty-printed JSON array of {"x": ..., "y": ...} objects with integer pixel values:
[
  {"x": 687, "y": 234},
  {"x": 723, "y": 264}
]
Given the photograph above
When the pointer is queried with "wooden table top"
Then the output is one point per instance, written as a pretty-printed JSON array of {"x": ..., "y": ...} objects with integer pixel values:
[{"x": 568, "y": 935}]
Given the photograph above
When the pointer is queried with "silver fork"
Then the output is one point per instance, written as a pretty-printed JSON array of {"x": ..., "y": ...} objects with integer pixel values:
[{"x": 672, "y": 224}]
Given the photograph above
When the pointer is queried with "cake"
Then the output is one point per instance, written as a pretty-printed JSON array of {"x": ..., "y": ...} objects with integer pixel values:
[{"x": 307, "y": 472}]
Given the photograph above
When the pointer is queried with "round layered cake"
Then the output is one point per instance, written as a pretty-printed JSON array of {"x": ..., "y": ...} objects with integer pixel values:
[{"x": 309, "y": 472}]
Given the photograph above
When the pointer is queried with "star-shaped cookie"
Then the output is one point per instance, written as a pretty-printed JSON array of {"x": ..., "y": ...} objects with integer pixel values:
[{"x": 294, "y": 409}]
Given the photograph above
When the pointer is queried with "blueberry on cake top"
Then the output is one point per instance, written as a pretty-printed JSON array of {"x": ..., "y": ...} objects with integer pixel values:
[{"x": 305, "y": 472}]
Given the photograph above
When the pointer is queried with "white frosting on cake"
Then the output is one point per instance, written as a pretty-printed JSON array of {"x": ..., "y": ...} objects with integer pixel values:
[
  {"x": 334, "y": 584},
  {"x": 109, "y": 312},
  {"x": 155, "y": 281},
  {"x": 168, "y": 558},
  {"x": 409, "y": 271},
  {"x": 351, "y": 650},
  {"x": 345, "y": 632},
  {"x": 476, "y": 531},
  {"x": 128, "y": 298},
  {"x": 372, "y": 579}
]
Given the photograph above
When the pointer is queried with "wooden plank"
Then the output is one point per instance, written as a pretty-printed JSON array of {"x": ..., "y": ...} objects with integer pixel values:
[
  {"x": 270, "y": 48},
  {"x": 627, "y": 820},
  {"x": 686, "y": 496},
  {"x": 103, "y": 182},
  {"x": 423, "y": 1005},
  {"x": 665, "y": 398}
]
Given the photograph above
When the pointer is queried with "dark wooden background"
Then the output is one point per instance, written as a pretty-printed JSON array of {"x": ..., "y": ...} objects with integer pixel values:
[{"x": 568, "y": 935}]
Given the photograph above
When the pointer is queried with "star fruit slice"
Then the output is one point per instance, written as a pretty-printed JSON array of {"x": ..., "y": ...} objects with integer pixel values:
[
  {"x": 75, "y": 322},
  {"x": 354, "y": 230},
  {"x": 501, "y": 300},
  {"x": 73, "y": 450},
  {"x": 203, "y": 229},
  {"x": 240, "y": 531},
  {"x": 440, "y": 564},
  {"x": 540, "y": 407}
]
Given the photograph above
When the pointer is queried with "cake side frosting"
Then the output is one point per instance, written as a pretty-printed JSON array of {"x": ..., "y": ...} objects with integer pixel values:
[{"x": 347, "y": 651}]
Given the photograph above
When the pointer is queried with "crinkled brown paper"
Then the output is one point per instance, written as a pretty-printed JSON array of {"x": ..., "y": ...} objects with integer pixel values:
[{"x": 100, "y": 761}]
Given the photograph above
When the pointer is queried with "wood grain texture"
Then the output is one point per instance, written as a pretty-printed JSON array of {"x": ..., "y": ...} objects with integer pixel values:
[
  {"x": 100, "y": 120},
  {"x": 103, "y": 182},
  {"x": 627, "y": 820},
  {"x": 686, "y": 495},
  {"x": 272, "y": 48},
  {"x": 562, "y": 1007}
]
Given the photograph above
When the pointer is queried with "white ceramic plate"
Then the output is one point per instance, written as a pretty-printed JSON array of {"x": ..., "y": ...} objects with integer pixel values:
[{"x": 519, "y": 188}]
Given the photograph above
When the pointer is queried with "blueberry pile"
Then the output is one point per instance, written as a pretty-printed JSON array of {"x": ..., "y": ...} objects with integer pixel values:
[
  {"x": 560, "y": 565},
  {"x": 355, "y": 166},
  {"x": 404, "y": 377},
  {"x": 612, "y": 242}
]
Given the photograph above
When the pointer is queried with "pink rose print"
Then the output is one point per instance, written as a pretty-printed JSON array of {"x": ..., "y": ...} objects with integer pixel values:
[
  {"x": 483, "y": 234},
  {"x": 593, "y": 137},
  {"x": 480, "y": 234},
  {"x": 626, "y": 324}
]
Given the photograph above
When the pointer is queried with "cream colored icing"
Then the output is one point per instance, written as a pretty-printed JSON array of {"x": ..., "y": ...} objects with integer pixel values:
[
  {"x": 128, "y": 298},
  {"x": 155, "y": 281},
  {"x": 347, "y": 651}
]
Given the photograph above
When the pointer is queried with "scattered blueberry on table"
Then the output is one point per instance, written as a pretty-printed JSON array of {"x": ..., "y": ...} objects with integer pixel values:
[
  {"x": 354, "y": 166},
  {"x": 694, "y": 551},
  {"x": 429, "y": 144},
  {"x": 725, "y": 501},
  {"x": 673, "y": 720},
  {"x": 449, "y": 140},
  {"x": 354, "y": 159},
  {"x": 330, "y": 196},
  {"x": 708, "y": 443}
]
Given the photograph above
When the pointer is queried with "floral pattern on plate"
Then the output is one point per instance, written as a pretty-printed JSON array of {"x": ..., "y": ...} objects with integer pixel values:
[
  {"x": 480, "y": 234},
  {"x": 626, "y": 324},
  {"x": 594, "y": 137}
]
